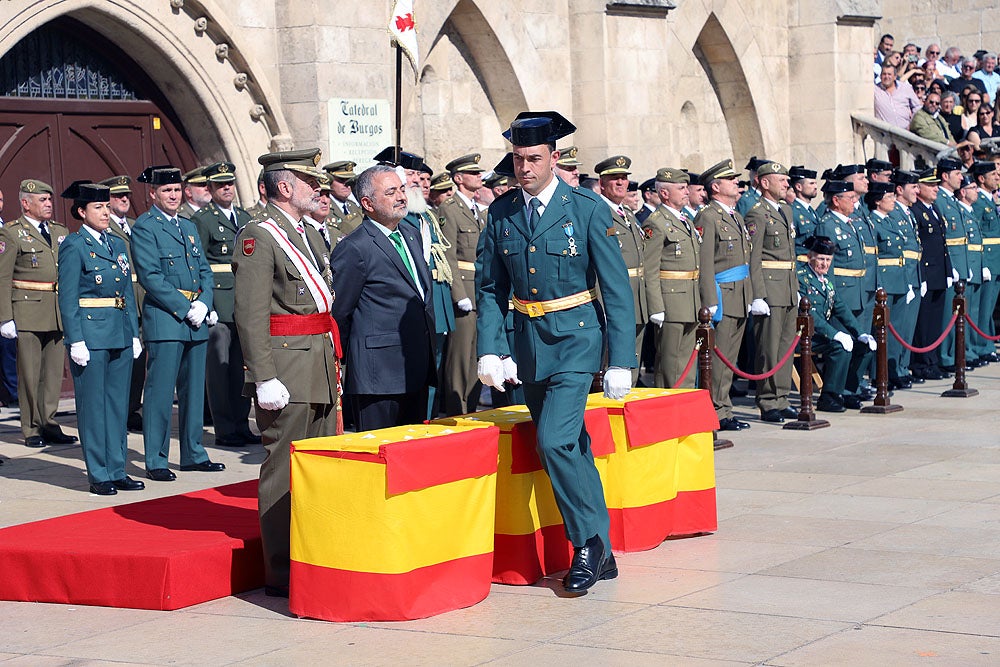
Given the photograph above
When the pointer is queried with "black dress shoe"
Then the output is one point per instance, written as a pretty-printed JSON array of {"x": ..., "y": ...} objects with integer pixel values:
[
  {"x": 103, "y": 489},
  {"x": 161, "y": 475},
  {"x": 236, "y": 441},
  {"x": 59, "y": 438},
  {"x": 899, "y": 383},
  {"x": 126, "y": 483},
  {"x": 993, "y": 357},
  {"x": 732, "y": 424},
  {"x": 591, "y": 563},
  {"x": 135, "y": 424},
  {"x": 790, "y": 413},
  {"x": 830, "y": 403},
  {"x": 204, "y": 466},
  {"x": 772, "y": 416},
  {"x": 914, "y": 379},
  {"x": 276, "y": 591},
  {"x": 852, "y": 402},
  {"x": 736, "y": 392},
  {"x": 34, "y": 441}
]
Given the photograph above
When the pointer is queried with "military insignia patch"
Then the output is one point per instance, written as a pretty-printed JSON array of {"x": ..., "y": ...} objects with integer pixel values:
[
  {"x": 3, "y": 247},
  {"x": 647, "y": 232},
  {"x": 191, "y": 239},
  {"x": 60, "y": 239},
  {"x": 98, "y": 279},
  {"x": 248, "y": 246},
  {"x": 123, "y": 263},
  {"x": 610, "y": 232},
  {"x": 506, "y": 232}
]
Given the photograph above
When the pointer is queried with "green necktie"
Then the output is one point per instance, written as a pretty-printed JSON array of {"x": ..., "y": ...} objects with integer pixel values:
[{"x": 397, "y": 241}]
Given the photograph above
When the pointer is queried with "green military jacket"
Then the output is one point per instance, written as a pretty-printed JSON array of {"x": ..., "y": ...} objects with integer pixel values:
[
  {"x": 989, "y": 226},
  {"x": 340, "y": 224},
  {"x": 672, "y": 248},
  {"x": 890, "y": 234},
  {"x": 26, "y": 256},
  {"x": 866, "y": 230},
  {"x": 912, "y": 251},
  {"x": 825, "y": 304},
  {"x": 772, "y": 253},
  {"x": 747, "y": 200},
  {"x": 954, "y": 232},
  {"x": 973, "y": 245},
  {"x": 805, "y": 226},
  {"x": 462, "y": 229},
  {"x": 218, "y": 240},
  {"x": 630, "y": 238},
  {"x": 726, "y": 246},
  {"x": 848, "y": 266}
]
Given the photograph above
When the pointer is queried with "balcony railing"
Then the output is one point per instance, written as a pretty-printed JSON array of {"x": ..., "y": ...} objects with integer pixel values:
[{"x": 874, "y": 138}]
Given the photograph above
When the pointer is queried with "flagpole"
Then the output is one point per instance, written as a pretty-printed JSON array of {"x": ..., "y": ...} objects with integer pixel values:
[{"x": 399, "y": 100}]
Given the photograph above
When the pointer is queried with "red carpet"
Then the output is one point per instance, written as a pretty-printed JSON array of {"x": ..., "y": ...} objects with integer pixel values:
[{"x": 165, "y": 553}]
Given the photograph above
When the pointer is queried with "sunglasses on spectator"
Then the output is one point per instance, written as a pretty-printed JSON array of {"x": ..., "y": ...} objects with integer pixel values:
[
  {"x": 970, "y": 100},
  {"x": 968, "y": 67},
  {"x": 933, "y": 53},
  {"x": 920, "y": 89},
  {"x": 933, "y": 103}
]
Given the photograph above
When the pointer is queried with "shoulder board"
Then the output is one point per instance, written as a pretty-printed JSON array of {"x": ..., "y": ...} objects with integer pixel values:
[{"x": 450, "y": 200}]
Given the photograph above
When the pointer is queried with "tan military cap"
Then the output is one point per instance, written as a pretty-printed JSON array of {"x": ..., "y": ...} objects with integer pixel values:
[
  {"x": 616, "y": 164},
  {"x": 35, "y": 187},
  {"x": 567, "y": 157},
  {"x": 467, "y": 164},
  {"x": 119, "y": 185},
  {"x": 305, "y": 161},
  {"x": 772, "y": 168},
  {"x": 671, "y": 175}
]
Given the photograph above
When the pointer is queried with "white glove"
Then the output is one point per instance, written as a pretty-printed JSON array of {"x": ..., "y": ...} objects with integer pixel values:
[
  {"x": 491, "y": 372},
  {"x": 948, "y": 281},
  {"x": 464, "y": 305},
  {"x": 923, "y": 288},
  {"x": 759, "y": 307},
  {"x": 954, "y": 276},
  {"x": 910, "y": 294},
  {"x": 79, "y": 353},
  {"x": 212, "y": 319},
  {"x": 510, "y": 371},
  {"x": 657, "y": 319},
  {"x": 196, "y": 313},
  {"x": 272, "y": 395},
  {"x": 136, "y": 348},
  {"x": 8, "y": 330},
  {"x": 870, "y": 340},
  {"x": 845, "y": 340},
  {"x": 712, "y": 309},
  {"x": 987, "y": 276},
  {"x": 617, "y": 383}
]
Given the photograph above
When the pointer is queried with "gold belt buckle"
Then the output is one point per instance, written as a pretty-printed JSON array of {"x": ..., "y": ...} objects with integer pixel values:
[
  {"x": 120, "y": 302},
  {"x": 534, "y": 308}
]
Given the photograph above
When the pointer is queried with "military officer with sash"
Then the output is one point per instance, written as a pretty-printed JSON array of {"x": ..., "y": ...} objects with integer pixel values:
[
  {"x": 987, "y": 178},
  {"x": 613, "y": 176},
  {"x": 196, "y": 192},
  {"x": 176, "y": 313},
  {"x": 775, "y": 286},
  {"x": 956, "y": 239},
  {"x": 461, "y": 222},
  {"x": 120, "y": 205},
  {"x": 671, "y": 268},
  {"x": 724, "y": 283},
  {"x": 345, "y": 214},
  {"x": 904, "y": 313},
  {"x": 802, "y": 182},
  {"x": 99, "y": 317},
  {"x": 547, "y": 246},
  {"x": 837, "y": 334},
  {"x": 218, "y": 223},
  {"x": 29, "y": 311}
]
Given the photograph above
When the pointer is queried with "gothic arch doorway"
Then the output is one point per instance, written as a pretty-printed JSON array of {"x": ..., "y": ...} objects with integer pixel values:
[{"x": 73, "y": 105}]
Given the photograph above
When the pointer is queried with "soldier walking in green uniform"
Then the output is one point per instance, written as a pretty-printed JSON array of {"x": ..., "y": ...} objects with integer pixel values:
[
  {"x": 99, "y": 317},
  {"x": 775, "y": 286},
  {"x": 178, "y": 282},
  {"x": 559, "y": 334},
  {"x": 218, "y": 223},
  {"x": 29, "y": 311}
]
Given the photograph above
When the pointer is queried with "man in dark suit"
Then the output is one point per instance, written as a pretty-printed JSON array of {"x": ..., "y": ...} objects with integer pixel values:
[
  {"x": 936, "y": 272},
  {"x": 384, "y": 309}
]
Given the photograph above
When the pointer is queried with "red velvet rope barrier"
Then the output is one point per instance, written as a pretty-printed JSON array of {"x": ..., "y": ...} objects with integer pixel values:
[
  {"x": 687, "y": 369},
  {"x": 762, "y": 376},
  {"x": 922, "y": 350},
  {"x": 980, "y": 331}
]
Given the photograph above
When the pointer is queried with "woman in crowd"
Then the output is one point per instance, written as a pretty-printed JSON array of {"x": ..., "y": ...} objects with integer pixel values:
[
  {"x": 101, "y": 329},
  {"x": 984, "y": 127},
  {"x": 953, "y": 119},
  {"x": 972, "y": 100}
]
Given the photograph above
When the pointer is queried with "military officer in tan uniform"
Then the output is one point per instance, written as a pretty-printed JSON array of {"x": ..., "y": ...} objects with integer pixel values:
[
  {"x": 345, "y": 215},
  {"x": 725, "y": 279},
  {"x": 442, "y": 187},
  {"x": 671, "y": 266},
  {"x": 568, "y": 166},
  {"x": 196, "y": 192},
  {"x": 290, "y": 342},
  {"x": 121, "y": 226},
  {"x": 29, "y": 312},
  {"x": 461, "y": 221},
  {"x": 771, "y": 224},
  {"x": 614, "y": 173}
]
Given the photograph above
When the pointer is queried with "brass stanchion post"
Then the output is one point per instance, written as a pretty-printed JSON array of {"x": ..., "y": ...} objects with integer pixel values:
[
  {"x": 705, "y": 339},
  {"x": 807, "y": 420},
  {"x": 880, "y": 317}
]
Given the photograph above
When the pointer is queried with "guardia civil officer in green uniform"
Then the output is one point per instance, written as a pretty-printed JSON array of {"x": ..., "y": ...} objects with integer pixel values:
[
  {"x": 957, "y": 241},
  {"x": 849, "y": 271},
  {"x": 904, "y": 315},
  {"x": 724, "y": 283},
  {"x": 671, "y": 268},
  {"x": 345, "y": 214},
  {"x": 178, "y": 282},
  {"x": 196, "y": 192},
  {"x": 752, "y": 194},
  {"x": 775, "y": 286},
  {"x": 548, "y": 246},
  {"x": 121, "y": 226},
  {"x": 837, "y": 334},
  {"x": 967, "y": 194},
  {"x": 101, "y": 327},
  {"x": 803, "y": 182},
  {"x": 988, "y": 179},
  {"x": 613, "y": 176},
  {"x": 29, "y": 311},
  {"x": 462, "y": 220},
  {"x": 218, "y": 223}
]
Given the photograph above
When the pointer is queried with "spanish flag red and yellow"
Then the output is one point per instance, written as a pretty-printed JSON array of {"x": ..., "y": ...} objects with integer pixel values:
[
  {"x": 660, "y": 480},
  {"x": 394, "y": 524}
]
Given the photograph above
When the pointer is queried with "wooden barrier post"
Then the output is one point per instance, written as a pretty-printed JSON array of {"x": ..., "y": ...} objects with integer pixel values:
[
  {"x": 880, "y": 317},
  {"x": 807, "y": 420},
  {"x": 704, "y": 337},
  {"x": 960, "y": 388}
]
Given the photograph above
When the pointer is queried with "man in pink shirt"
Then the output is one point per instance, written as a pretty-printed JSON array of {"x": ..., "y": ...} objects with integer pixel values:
[{"x": 895, "y": 101}]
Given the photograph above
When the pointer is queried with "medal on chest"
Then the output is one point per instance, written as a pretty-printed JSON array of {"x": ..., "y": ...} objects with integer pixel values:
[
  {"x": 568, "y": 230},
  {"x": 194, "y": 247},
  {"x": 123, "y": 263},
  {"x": 98, "y": 279}
]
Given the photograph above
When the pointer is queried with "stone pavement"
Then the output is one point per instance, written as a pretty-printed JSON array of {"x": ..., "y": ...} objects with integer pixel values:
[{"x": 875, "y": 541}]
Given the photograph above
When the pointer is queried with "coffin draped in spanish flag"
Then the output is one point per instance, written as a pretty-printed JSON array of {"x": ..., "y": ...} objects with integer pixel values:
[
  {"x": 393, "y": 524},
  {"x": 660, "y": 480}
]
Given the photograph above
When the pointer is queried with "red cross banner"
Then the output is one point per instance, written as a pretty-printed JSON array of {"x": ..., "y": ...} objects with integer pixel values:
[{"x": 404, "y": 31}]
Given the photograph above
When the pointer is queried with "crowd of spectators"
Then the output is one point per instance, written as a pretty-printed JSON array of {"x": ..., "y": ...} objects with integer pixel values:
[{"x": 949, "y": 99}]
